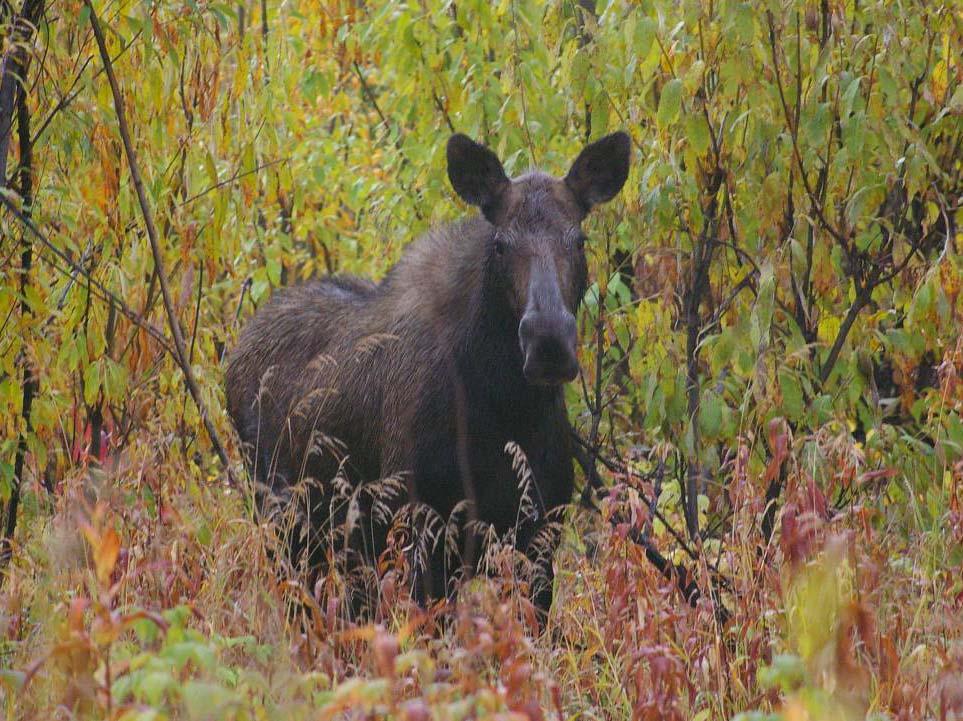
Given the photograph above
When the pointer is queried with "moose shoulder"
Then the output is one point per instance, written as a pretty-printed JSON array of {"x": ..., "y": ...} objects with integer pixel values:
[{"x": 424, "y": 378}]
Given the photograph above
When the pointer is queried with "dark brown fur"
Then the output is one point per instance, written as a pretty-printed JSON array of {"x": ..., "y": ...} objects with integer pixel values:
[{"x": 421, "y": 376}]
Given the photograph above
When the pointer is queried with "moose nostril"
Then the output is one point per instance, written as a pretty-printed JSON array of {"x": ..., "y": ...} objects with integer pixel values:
[
  {"x": 525, "y": 328},
  {"x": 551, "y": 351}
]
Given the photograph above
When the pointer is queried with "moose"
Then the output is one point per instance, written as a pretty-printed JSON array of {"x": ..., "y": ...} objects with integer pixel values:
[{"x": 430, "y": 383}]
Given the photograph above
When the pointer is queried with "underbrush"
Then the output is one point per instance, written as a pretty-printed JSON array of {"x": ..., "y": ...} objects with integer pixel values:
[
  {"x": 148, "y": 591},
  {"x": 770, "y": 413}
]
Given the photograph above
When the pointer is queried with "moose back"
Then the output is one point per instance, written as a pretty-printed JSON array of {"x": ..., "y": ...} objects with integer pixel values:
[{"x": 407, "y": 395}]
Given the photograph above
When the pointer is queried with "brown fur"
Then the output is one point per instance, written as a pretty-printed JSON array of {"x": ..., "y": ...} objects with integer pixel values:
[{"x": 420, "y": 376}]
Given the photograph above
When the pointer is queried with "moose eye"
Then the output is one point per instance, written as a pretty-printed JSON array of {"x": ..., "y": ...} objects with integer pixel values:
[
  {"x": 580, "y": 241},
  {"x": 499, "y": 246}
]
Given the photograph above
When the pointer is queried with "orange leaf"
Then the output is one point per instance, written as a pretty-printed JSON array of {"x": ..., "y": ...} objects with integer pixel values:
[
  {"x": 75, "y": 616},
  {"x": 105, "y": 555}
]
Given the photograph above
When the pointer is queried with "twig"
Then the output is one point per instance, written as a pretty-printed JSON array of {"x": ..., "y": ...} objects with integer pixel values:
[
  {"x": 521, "y": 85},
  {"x": 587, "y": 457},
  {"x": 748, "y": 281},
  {"x": 374, "y": 103},
  {"x": 793, "y": 133},
  {"x": 859, "y": 302},
  {"x": 72, "y": 94},
  {"x": 702, "y": 252},
  {"x": 399, "y": 142},
  {"x": 264, "y": 25},
  {"x": 237, "y": 176},
  {"x": 94, "y": 286},
  {"x": 197, "y": 311},
  {"x": 441, "y": 109},
  {"x": 677, "y": 573},
  {"x": 64, "y": 101},
  {"x": 178, "y": 337},
  {"x": 684, "y": 580}
]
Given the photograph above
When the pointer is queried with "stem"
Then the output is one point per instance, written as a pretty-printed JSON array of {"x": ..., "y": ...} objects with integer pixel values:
[
  {"x": 702, "y": 252},
  {"x": 844, "y": 328},
  {"x": 674, "y": 572},
  {"x": 691, "y": 490},
  {"x": 816, "y": 207},
  {"x": 131, "y": 154}
]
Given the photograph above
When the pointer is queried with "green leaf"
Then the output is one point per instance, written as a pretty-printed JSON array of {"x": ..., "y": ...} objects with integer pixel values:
[
  {"x": 744, "y": 22},
  {"x": 761, "y": 317},
  {"x": 591, "y": 299},
  {"x": 210, "y": 167},
  {"x": 698, "y": 133},
  {"x": 6, "y": 480},
  {"x": 710, "y": 416},
  {"x": 115, "y": 379},
  {"x": 12, "y": 681},
  {"x": 956, "y": 102},
  {"x": 670, "y": 102},
  {"x": 786, "y": 672},
  {"x": 182, "y": 652},
  {"x": 91, "y": 383},
  {"x": 205, "y": 700},
  {"x": 153, "y": 685},
  {"x": 816, "y": 125},
  {"x": 849, "y": 98},
  {"x": 644, "y": 35},
  {"x": 792, "y": 397}
]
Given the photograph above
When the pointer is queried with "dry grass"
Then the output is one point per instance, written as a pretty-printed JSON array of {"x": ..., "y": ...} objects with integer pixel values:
[{"x": 148, "y": 591}]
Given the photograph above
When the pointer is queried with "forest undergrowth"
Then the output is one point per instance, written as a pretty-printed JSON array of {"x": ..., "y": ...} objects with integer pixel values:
[{"x": 769, "y": 418}]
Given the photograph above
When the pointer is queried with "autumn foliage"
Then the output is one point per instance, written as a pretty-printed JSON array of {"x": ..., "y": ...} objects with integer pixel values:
[{"x": 770, "y": 413}]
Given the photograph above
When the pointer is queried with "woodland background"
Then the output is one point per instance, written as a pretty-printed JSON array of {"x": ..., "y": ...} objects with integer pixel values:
[{"x": 771, "y": 399}]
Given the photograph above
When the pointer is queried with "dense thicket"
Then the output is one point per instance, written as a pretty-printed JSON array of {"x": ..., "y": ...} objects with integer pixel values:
[{"x": 770, "y": 403}]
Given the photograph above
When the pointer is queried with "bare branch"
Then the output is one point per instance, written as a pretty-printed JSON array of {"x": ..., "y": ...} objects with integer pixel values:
[
  {"x": 96, "y": 288},
  {"x": 793, "y": 133},
  {"x": 234, "y": 178}
]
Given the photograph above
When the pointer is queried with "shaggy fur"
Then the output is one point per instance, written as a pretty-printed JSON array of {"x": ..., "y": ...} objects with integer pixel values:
[{"x": 419, "y": 377}]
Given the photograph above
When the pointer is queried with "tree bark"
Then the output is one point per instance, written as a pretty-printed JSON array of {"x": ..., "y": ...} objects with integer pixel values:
[{"x": 30, "y": 382}]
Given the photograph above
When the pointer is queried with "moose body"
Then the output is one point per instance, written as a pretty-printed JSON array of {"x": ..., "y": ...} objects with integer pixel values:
[{"x": 429, "y": 375}]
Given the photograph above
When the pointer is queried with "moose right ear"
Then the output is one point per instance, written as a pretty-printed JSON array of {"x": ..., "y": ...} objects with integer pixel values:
[
  {"x": 600, "y": 170},
  {"x": 476, "y": 174}
]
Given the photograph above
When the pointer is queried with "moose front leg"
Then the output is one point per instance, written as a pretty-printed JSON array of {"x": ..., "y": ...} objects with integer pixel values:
[
  {"x": 541, "y": 539},
  {"x": 551, "y": 464}
]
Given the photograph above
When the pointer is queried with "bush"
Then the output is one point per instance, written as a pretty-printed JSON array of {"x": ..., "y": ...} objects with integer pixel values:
[{"x": 772, "y": 352}]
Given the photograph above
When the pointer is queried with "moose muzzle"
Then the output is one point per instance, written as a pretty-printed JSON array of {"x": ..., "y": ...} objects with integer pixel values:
[{"x": 547, "y": 340}]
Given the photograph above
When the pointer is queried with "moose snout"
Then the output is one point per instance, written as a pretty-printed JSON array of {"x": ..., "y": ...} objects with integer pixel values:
[{"x": 548, "y": 347}]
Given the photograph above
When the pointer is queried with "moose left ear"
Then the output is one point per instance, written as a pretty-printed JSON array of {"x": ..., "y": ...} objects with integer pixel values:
[
  {"x": 600, "y": 170},
  {"x": 477, "y": 175}
]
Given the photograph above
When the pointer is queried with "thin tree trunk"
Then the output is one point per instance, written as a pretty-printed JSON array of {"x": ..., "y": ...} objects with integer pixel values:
[
  {"x": 132, "y": 163},
  {"x": 30, "y": 383},
  {"x": 13, "y": 68}
]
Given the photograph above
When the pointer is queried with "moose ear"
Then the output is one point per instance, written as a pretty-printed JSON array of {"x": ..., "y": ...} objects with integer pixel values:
[
  {"x": 476, "y": 174},
  {"x": 600, "y": 170}
]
